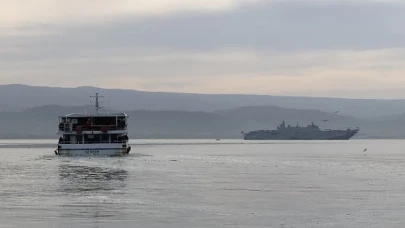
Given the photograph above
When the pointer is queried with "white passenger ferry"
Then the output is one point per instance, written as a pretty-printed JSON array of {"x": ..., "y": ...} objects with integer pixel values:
[{"x": 98, "y": 134}]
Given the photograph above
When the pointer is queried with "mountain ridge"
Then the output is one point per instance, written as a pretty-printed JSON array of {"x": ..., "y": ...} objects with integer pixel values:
[
  {"x": 17, "y": 97},
  {"x": 42, "y": 122}
]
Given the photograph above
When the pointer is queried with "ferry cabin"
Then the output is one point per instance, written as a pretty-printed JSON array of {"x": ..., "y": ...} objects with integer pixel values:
[{"x": 96, "y": 134}]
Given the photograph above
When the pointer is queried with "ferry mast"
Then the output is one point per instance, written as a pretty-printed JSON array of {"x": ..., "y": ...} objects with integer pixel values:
[{"x": 98, "y": 107}]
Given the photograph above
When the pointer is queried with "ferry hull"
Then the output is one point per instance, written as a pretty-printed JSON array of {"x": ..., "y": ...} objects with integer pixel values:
[{"x": 93, "y": 149}]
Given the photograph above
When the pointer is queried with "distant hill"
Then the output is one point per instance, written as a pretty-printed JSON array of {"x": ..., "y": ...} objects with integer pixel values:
[
  {"x": 20, "y": 97},
  {"x": 42, "y": 122},
  {"x": 259, "y": 117}
]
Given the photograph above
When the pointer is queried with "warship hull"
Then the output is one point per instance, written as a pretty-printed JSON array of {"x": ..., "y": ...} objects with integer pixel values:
[
  {"x": 311, "y": 132},
  {"x": 319, "y": 136}
]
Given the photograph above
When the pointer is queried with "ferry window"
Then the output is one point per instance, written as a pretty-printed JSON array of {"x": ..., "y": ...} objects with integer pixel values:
[
  {"x": 92, "y": 139},
  {"x": 121, "y": 121},
  {"x": 82, "y": 121},
  {"x": 104, "y": 138},
  {"x": 114, "y": 138},
  {"x": 104, "y": 121}
]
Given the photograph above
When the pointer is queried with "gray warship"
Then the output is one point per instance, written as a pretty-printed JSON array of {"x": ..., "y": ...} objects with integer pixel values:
[{"x": 310, "y": 132}]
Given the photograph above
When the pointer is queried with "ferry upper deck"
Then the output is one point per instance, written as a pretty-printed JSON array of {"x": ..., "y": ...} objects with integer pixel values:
[{"x": 77, "y": 123}]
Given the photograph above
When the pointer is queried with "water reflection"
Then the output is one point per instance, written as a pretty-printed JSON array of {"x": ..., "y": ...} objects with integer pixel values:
[
  {"x": 80, "y": 178},
  {"x": 91, "y": 192}
]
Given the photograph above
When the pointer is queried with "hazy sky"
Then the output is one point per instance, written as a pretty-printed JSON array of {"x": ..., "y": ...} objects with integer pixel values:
[{"x": 335, "y": 48}]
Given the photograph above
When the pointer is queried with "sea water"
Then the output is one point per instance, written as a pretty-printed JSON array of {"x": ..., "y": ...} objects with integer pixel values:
[{"x": 206, "y": 183}]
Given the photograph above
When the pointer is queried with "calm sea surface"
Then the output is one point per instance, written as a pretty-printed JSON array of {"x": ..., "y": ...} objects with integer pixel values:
[{"x": 204, "y": 183}]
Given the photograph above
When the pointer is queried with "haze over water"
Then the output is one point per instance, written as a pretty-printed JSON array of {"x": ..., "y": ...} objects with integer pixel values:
[{"x": 204, "y": 183}]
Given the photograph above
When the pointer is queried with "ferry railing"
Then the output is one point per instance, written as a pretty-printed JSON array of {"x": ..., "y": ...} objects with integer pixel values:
[
  {"x": 74, "y": 127},
  {"x": 93, "y": 142}
]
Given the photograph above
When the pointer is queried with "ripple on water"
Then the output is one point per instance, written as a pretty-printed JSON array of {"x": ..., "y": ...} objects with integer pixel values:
[{"x": 195, "y": 185}]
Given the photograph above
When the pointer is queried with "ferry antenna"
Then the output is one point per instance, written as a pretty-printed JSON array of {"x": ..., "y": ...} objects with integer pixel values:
[{"x": 97, "y": 101}]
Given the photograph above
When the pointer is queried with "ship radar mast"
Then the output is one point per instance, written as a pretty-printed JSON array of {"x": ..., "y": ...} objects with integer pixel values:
[{"x": 97, "y": 105}]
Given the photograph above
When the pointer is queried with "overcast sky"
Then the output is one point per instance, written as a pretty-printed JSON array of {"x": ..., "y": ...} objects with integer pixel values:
[{"x": 336, "y": 48}]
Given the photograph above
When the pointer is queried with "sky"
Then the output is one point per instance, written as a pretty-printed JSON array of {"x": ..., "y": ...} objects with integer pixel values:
[{"x": 334, "y": 48}]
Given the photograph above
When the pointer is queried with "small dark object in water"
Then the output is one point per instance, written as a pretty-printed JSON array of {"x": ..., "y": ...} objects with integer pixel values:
[{"x": 173, "y": 160}]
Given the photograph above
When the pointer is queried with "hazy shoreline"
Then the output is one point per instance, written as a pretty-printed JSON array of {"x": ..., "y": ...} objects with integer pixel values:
[
  {"x": 52, "y": 143},
  {"x": 190, "y": 116}
]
